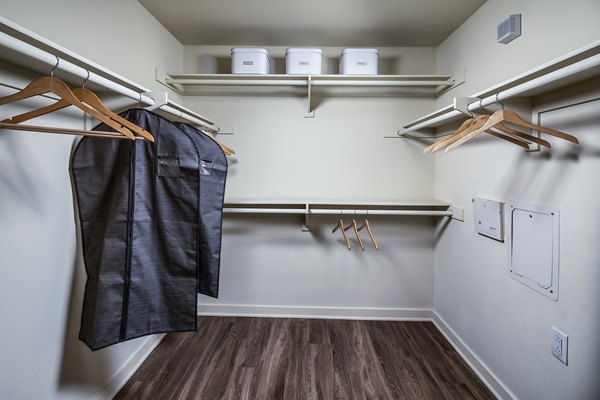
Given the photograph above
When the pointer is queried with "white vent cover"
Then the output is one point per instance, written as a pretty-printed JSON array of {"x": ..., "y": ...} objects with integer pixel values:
[{"x": 509, "y": 29}]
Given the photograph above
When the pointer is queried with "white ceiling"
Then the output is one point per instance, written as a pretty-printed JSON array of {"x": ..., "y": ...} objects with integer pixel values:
[{"x": 344, "y": 23}]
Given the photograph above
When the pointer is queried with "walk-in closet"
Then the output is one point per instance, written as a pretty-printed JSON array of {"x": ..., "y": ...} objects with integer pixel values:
[{"x": 345, "y": 199}]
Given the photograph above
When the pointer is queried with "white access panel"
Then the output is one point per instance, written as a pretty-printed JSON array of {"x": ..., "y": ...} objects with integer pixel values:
[
  {"x": 533, "y": 241},
  {"x": 488, "y": 217}
]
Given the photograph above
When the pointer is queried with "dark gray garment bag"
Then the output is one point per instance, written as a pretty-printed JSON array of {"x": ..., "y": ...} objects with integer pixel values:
[
  {"x": 213, "y": 175},
  {"x": 139, "y": 208}
]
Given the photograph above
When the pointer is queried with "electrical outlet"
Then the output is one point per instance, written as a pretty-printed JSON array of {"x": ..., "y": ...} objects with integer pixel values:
[{"x": 559, "y": 345}]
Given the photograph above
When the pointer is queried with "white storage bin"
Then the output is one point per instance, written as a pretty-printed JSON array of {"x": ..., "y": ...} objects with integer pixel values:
[
  {"x": 303, "y": 61},
  {"x": 246, "y": 60},
  {"x": 359, "y": 62}
]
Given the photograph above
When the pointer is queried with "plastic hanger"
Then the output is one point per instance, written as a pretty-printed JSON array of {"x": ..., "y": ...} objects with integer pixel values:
[
  {"x": 340, "y": 225},
  {"x": 51, "y": 84},
  {"x": 89, "y": 98}
]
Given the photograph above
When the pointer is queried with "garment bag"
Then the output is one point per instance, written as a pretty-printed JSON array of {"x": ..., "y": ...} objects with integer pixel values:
[
  {"x": 213, "y": 174},
  {"x": 139, "y": 208}
]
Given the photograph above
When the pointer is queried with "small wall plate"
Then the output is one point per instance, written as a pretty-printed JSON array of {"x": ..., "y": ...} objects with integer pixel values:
[{"x": 488, "y": 216}]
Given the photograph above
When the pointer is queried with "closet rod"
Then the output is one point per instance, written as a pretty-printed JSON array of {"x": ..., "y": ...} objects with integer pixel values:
[
  {"x": 30, "y": 46},
  {"x": 424, "y": 213},
  {"x": 586, "y": 65}
]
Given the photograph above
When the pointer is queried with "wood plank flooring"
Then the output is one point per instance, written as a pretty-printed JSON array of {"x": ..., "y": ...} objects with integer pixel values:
[{"x": 282, "y": 358}]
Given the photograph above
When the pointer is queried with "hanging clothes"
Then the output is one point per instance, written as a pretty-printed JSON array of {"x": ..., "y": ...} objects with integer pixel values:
[
  {"x": 139, "y": 208},
  {"x": 213, "y": 176}
]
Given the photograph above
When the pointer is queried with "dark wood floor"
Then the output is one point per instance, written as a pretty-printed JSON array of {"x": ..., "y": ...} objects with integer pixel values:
[{"x": 276, "y": 358}]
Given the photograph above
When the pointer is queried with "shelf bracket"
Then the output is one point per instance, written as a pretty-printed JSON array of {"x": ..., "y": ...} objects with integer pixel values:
[
  {"x": 161, "y": 77},
  {"x": 458, "y": 213},
  {"x": 311, "y": 110}
]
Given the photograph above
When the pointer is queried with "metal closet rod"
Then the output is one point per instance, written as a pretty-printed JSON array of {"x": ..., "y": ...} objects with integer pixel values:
[
  {"x": 46, "y": 58},
  {"x": 578, "y": 67}
]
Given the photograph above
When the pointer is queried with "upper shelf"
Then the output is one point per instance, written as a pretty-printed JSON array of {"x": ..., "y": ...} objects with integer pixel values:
[
  {"x": 277, "y": 84},
  {"x": 309, "y": 86}
]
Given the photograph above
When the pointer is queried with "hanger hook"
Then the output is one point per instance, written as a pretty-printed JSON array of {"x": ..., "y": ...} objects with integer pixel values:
[
  {"x": 469, "y": 111},
  {"x": 481, "y": 106},
  {"x": 55, "y": 65},
  {"x": 86, "y": 79},
  {"x": 140, "y": 101},
  {"x": 498, "y": 100}
]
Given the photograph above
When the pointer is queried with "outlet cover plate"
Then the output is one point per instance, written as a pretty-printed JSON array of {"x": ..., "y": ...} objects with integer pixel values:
[{"x": 560, "y": 342}]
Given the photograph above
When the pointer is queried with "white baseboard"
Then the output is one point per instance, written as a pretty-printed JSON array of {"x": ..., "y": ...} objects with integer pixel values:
[
  {"x": 481, "y": 370},
  {"x": 123, "y": 374},
  {"x": 387, "y": 314}
]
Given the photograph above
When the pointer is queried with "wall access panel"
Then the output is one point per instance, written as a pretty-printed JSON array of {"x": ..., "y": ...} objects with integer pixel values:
[{"x": 533, "y": 240}]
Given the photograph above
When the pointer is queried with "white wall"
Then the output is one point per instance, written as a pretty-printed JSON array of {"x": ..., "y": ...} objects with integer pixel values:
[
  {"x": 506, "y": 324},
  {"x": 42, "y": 274},
  {"x": 269, "y": 266},
  {"x": 550, "y": 28}
]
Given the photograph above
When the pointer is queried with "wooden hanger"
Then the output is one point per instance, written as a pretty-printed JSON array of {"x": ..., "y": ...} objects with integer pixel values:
[
  {"x": 370, "y": 232},
  {"x": 340, "y": 225},
  {"x": 90, "y": 98},
  {"x": 50, "y": 84},
  {"x": 354, "y": 225},
  {"x": 467, "y": 127},
  {"x": 478, "y": 124},
  {"x": 227, "y": 150},
  {"x": 61, "y": 131},
  {"x": 464, "y": 126},
  {"x": 512, "y": 117},
  {"x": 522, "y": 135}
]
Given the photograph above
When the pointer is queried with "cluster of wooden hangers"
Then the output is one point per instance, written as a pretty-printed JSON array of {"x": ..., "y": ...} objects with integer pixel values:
[
  {"x": 494, "y": 125},
  {"x": 354, "y": 225},
  {"x": 82, "y": 98}
]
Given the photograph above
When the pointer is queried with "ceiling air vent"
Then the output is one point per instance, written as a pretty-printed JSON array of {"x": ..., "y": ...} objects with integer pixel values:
[{"x": 509, "y": 29}]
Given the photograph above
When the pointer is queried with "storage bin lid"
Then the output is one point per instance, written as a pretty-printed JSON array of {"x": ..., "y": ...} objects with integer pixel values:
[
  {"x": 249, "y": 50},
  {"x": 345, "y": 51},
  {"x": 318, "y": 51}
]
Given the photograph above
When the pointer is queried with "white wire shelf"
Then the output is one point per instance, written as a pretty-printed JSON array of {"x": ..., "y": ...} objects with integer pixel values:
[
  {"x": 577, "y": 66},
  {"x": 27, "y": 49},
  {"x": 308, "y": 86},
  {"x": 416, "y": 208}
]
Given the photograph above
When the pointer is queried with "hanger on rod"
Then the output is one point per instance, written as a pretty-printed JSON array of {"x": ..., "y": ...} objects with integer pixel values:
[
  {"x": 354, "y": 225},
  {"x": 504, "y": 115},
  {"x": 227, "y": 150},
  {"x": 366, "y": 224},
  {"x": 340, "y": 225},
  {"x": 477, "y": 124},
  {"x": 51, "y": 84},
  {"x": 89, "y": 98}
]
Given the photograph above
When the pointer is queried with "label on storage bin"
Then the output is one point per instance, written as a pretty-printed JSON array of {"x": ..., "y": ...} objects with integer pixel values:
[
  {"x": 304, "y": 63},
  {"x": 363, "y": 63},
  {"x": 248, "y": 63}
]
